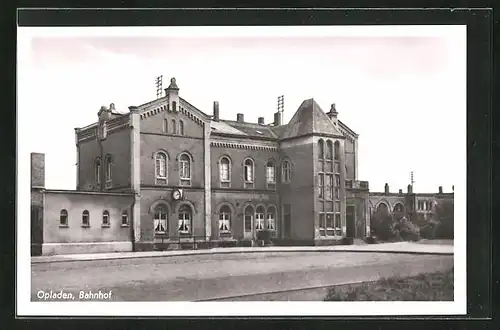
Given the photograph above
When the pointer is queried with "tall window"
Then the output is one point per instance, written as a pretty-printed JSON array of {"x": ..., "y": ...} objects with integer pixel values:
[
  {"x": 185, "y": 220},
  {"x": 98, "y": 170},
  {"x": 105, "y": 218},
  {"x": 329, "y": 149},
  {"x": 181, "y": 127},
  {"x": 109, "y": 166},
  {"x": 287, "y": 171},
  {"x": 174, "y": 106},
  {"x": 329, "y": 187},
  {"x": 125, "y": 218},
  {"x": 165, "y": 125},
  {"x": 63, "y": 218},
  {"x": 259, "y": 218},
  {"x": 270, "y": 174},
  {"x": 322, "y": 224},
  {"x": 225, "y": 171},
  {"x": 174, "y": 127},
  {"x": 161, "y": 167},
  {"x": 86, "y": 219},
  {"x": 160, "y": 219},
  {"x": 321, "y": 184},
  {"x": 225, "y": 219},
  {"x": 248, "y": 170},
  {"x": 185, "y": 170},
  {"x": 321, "y": 149},
  {"x": 271, "y": 219},
  {"x": 337, "y": 151},
  {"x": 337, "y": 186}
]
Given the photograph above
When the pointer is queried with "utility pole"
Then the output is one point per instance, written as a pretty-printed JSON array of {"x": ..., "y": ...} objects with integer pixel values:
[{"x": 281, "y": 107}]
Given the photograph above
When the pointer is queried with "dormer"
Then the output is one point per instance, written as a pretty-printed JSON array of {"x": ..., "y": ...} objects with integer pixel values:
[{"x": 172, "y": 95}]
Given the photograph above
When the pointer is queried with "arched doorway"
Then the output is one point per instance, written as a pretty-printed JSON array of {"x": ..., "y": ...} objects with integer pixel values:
[{"x": 248, "y": 222}]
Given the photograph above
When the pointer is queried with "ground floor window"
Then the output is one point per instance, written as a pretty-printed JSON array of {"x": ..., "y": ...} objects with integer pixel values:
[
  {"x": 259, "y": 219},
  {"x": 160, "y": 219},
  {"x": 271, "y": 220},
  {"x": 185, "y": 220},
  {"x": 330, "y": 224},
  {"x": 248, "y": 219},
  {"x": 225, "y": 220}
]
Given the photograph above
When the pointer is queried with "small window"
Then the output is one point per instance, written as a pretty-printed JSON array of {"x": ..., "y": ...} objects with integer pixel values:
[
  {"x": 287, "y": 171},
  {"x": 337, "y": 150},
  {"x": 63, "y": 218},
  {"x": 185, "y": 170},
  {"x": 174, "y": 106},
  {"x": 174, "y": 127},
  {"x": 85, "y": 219},
  {"x": 165, "y": 126},
  {"x": 225, "y": 171},
  {"x": 181, "y": 127},
  {"x": 98, "y": 170},
  {"x": 270, "y": 174},
  {"x": 105, "y": 219},
  {"x": 321, "y": 149},
  {"x": 125, "y": 218},
  {"x": 161, "y": 167},
  {"x": 329, "y": 149},
  {"x": 109, "y": 166},
  {"x": 249, "y": 170}
]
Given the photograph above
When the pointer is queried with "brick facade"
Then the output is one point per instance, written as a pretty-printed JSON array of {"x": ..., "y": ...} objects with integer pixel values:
[{"x": 238, "y": 178}]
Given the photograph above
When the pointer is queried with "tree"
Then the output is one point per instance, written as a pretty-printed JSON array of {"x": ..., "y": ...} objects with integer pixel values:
[{"x": 445, "y": 219}]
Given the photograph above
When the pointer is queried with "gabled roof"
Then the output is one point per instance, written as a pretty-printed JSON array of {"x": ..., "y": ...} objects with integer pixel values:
[
  {"x": 310, "y": 119},
  {"x": 251, "y": 129}
]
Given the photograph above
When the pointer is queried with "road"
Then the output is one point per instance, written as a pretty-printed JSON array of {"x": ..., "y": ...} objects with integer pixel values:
[{"x": 220, "y": 276}]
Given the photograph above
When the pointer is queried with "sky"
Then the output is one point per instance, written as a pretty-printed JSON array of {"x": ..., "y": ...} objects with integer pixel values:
[{"x": 404, "y": 93}]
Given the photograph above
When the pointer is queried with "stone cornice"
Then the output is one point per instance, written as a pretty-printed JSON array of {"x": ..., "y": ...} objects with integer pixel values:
[
  {"x": 333, "y": 136},
  {"x": 241, "y": 145},
  {"x": 244, "y": 137}
]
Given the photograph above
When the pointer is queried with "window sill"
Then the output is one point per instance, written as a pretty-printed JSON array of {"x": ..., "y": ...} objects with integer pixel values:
[
  {"x": 105, "y": 226},
  {"x": 85, "y": 226},
  {"x": 63, "y": 226},
  {"x": 125, "y": 226}
]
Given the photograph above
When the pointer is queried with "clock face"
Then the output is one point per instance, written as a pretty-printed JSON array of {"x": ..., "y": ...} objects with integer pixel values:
[{"x": 177, "y": 194}]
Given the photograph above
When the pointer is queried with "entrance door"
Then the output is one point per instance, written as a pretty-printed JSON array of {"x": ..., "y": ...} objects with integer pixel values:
[
  {"x": 350, "y": 221},
  {"x": 248, "y": 223}
]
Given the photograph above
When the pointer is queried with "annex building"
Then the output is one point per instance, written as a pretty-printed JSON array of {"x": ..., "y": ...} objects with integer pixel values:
[{"x": 167, "y": 174}]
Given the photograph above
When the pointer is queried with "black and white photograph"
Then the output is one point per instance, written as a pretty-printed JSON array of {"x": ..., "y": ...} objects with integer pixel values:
[{"x": 265, "y": 170}]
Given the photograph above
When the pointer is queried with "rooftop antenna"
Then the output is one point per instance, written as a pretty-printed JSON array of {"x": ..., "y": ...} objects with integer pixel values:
[
  {"x": 281, "y": 107},
  {"x": 411, "y": 178},
  {"x": 159, "y": 86}
]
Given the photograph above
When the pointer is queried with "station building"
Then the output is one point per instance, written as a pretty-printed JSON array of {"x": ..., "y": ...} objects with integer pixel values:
[{"x": 165, "y": 174}]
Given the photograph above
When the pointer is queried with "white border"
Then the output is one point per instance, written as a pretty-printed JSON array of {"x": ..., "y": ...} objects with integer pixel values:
[{"x": 27, "y": 308}]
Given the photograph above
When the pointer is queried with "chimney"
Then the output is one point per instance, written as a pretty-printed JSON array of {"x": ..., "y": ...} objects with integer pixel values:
[
  {"x": 240, "y": 118},
  {"x": 332, "y": 114},
  {"x": 400, "y": 191},
  {"x": 216, "y": 111},
  {"x": 277, "y": 119},
  {"x": 37, "y": 170},
  {"x": 410, "y": 189},
  {"x": 386, "y": 188},
  {"x": 261, "y": 121},
  {"x": 440, "y": 189}
]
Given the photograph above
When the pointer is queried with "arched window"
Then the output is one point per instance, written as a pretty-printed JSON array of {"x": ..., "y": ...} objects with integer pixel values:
[
  {"x": 248, "y": 219},
  {"x": 337, "y": 150},
  {"x": 398, "y": 207},
  {"x": 105, "y": 218},
  {"x": 165, "y": 125},
  {"x": 271, "y": 219},
  {"x": 174, "y": 106},
  {"x": 321, "y": 149},
  {"x": 185, "y": 218},
  {"x": 259, "y": 218},
  {"x": 98, "y": 170},
  {"x": 225, "y": 219},
  {"x": 161, "y": 167},
  {"x": 86, "y": 219},
  {"x": 174, "y": 127},
  {"x": 181, "y": 127},
  {"x": 249, "y": 166},
  {"x": 329, "y": 149},
  {"x": 160, "y": 219},
  {"x": 185, "y": 170},
  {"x": 270, "y": 174},
  {"x": 63, "y": 218},
  {"x": 287, "y": 171},
  {"x": 225, "y": 171},
  {"x": 125, "y": 218},
  {"x": 109, "y": 166}
]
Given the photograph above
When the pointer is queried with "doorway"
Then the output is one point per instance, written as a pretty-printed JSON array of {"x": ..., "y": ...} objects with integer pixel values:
[{"x": 350, "y": 221}]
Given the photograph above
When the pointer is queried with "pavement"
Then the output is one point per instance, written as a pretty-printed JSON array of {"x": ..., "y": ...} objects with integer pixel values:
[{"x": 397, "y": 247}]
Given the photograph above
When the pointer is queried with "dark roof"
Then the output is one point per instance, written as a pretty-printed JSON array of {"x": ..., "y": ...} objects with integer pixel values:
[
  {"x": 251, "y": 129},
  {"x": 310, "y": 119}
]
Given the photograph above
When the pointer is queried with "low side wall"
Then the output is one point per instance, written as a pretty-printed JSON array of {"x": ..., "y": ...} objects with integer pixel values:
[{"x": 93, "y": 247}]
